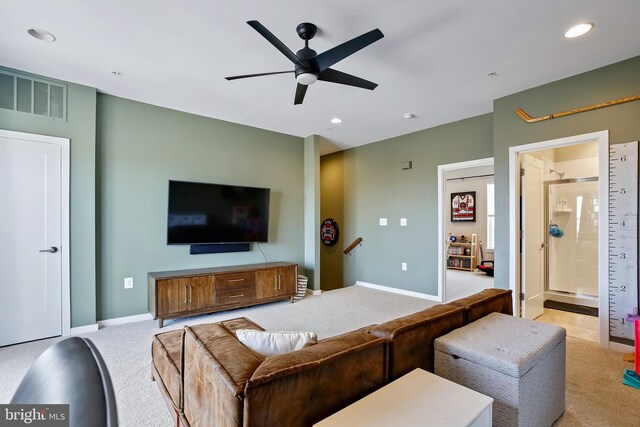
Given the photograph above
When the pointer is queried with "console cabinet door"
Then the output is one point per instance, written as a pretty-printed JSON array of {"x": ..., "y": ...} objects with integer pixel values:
[
  {"x": 173, "y": 296},
  {"x": 185, "y": 293},
  {"x": 201, "y": 292},
  {"x": 274, "y": 282},
  {"x": 288, "y": 280}
]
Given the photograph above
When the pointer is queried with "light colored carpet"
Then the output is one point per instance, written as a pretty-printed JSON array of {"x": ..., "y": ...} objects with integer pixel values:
[
  {"x": 460, "y": 283},
  {"x": 595, "y": 394}
]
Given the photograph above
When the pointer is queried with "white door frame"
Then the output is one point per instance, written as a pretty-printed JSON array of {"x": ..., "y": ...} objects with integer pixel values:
[
  {"x": 442, "y": 170},
  {"x": 65, "y": 146},
  {"x": 602, "y": 139}
]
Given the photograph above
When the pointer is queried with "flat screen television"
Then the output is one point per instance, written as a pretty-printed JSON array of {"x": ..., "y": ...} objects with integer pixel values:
[{"x": 201, "y": 213}]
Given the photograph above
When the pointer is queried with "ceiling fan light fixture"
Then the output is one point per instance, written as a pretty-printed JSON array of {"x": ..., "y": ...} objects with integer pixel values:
[
  {"x": 578, "y": 30},
  {"x": 306, "y": 78}
]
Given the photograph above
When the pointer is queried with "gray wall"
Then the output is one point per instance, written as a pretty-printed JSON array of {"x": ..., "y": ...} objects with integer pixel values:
[
  {"x": 604, "y": 84},
  {"x": 80, "y": 129},
  {"x": 141, "y": 147},
  {"x": 375, "y": 186},
  {"x": 311, "y": 211}
]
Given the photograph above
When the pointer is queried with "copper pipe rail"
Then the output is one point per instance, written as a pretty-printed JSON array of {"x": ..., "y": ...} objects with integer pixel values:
[{"x": 355, "y": 243}]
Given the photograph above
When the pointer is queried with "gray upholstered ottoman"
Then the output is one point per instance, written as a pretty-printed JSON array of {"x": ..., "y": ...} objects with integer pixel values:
[{"x": 518, "y": 362}]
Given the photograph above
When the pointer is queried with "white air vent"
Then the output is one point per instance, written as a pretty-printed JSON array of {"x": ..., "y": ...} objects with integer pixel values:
[{"x": 33, "y": 96}]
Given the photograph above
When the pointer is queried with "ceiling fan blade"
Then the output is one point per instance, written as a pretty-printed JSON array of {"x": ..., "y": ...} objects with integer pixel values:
[
  {"x": 300, "y": 91},
  {"x": 257, "y": 75},
  {"x": 335, "y": 76},
  {"x": 275, "y": 42},
  {"x": 328, "y": 58}
]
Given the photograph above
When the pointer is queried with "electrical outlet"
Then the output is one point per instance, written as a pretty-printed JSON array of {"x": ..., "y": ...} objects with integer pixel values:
[
  {"x": 404, "y": 266},
  {"x": 383, "y": 221},
  {"x": 128, "y": 282},
  {"x": 403, "y": 222}
]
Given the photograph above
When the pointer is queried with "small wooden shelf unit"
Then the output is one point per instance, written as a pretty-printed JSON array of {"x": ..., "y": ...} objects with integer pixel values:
[
  {"x": 182, "y": 293},
  {"x": 457, "y": 258}
]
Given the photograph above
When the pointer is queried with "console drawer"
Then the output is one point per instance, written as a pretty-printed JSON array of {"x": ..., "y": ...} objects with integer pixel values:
[
  {"x": 232, "y": 281},
  {"x": 237, "y": 295}
]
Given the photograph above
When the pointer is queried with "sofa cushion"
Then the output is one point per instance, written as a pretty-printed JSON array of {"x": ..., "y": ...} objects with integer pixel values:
[
  {"x": 305, "y": 386},
  {"x": 273, "y": 343},
  {"x": 216, "y": 368},
  {"x": 478, "y": 305},
  {"x": 166, "y": 350},
  {"x": 411, "y": 337},
  {"x": 240, "y": 323}
]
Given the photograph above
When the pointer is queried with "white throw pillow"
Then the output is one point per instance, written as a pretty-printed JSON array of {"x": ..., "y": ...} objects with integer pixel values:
[{"x": 271, "y": 343}]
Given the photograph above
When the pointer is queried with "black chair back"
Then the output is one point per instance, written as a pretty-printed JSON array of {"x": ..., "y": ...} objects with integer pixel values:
[{"x": 71, "y": 372}]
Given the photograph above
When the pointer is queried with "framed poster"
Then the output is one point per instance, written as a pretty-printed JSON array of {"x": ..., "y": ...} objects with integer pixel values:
[{"x": 463, "y": 206}]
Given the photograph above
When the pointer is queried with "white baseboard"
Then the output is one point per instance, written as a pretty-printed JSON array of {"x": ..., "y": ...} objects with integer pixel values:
[
  {"x": 313, "y": 292},
  {"x": 126, "y": 319},
  {"x": 621, "y": 348},
  {"x": 83, "y": 329},
  {"x": 398, "y": 291}
]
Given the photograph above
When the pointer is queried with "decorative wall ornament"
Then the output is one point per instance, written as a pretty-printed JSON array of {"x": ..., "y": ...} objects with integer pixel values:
[
  {"x": 329, "y": 232},
  {"x": 463, "y": 206}
]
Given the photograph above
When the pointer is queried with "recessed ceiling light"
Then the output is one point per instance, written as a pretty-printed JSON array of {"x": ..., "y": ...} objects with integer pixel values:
[
  {"x": 409, "y": 116},
  {"x": 578, "y": 30},
  {"x": 40, "y": 34},
  {"x": 336, "y": 120}
]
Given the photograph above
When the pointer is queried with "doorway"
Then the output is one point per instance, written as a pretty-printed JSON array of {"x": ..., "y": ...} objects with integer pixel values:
[
  {"x": 34, "y": 256},
  {"x": 559, "y": 226},
  {"x": 464, "y": 241}
]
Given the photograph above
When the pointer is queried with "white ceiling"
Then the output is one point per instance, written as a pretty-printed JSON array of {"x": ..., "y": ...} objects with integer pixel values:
[{"x": 433, "y": 61}]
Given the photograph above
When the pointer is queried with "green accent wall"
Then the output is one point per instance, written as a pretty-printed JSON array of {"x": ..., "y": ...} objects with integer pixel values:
[
  {"x": 140, "y": 148},
  {"x": 604, "y": 84},
  {"x": 375, "y": 186},
  {"x": 80, "y": 128}
]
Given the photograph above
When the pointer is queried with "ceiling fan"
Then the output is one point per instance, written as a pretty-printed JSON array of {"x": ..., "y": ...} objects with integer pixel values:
[{"x": 311, "y": 66}]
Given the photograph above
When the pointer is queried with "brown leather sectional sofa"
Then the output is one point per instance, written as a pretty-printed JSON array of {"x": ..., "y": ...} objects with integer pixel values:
[{"x": 208, "y": 378}]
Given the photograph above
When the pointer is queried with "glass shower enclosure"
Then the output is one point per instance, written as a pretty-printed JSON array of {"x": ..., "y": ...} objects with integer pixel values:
[{"x": 571, "y": 240}]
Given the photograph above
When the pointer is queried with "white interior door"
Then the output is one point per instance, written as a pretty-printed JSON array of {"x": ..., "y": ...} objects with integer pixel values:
[
  {"x": 533, "y": 247},
  {"x": 31, "y": 269}
]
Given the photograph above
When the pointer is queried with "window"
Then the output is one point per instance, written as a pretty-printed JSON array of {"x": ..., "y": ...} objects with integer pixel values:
[{"x": 491, "y": 217}]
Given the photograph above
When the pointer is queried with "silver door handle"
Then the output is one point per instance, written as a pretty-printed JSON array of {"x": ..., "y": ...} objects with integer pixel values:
[
  {"x": 543, "y": 245},
  {"x": 52, "y": 250}
]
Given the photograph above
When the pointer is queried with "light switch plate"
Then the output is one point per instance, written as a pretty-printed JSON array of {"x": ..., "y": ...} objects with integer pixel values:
[
  {"x": 383, "y": 221},
  {"x": 404, "y": 266},
  {"x": 128, "y": 282},
  {"x": 403, "y": 222}
]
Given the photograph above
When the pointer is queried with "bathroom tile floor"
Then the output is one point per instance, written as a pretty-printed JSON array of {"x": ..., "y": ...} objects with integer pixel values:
[{"x": 577, "y": 325}]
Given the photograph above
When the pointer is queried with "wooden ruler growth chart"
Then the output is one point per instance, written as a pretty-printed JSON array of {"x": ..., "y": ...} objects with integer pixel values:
[{"x": 623, "y": 241}]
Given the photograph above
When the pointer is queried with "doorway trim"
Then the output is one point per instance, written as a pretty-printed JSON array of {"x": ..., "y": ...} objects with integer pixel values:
[
  {"x": 602, "y": 139},
  {"x": 442, "y": 170},
  {"x": 65, "y": 145}
]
